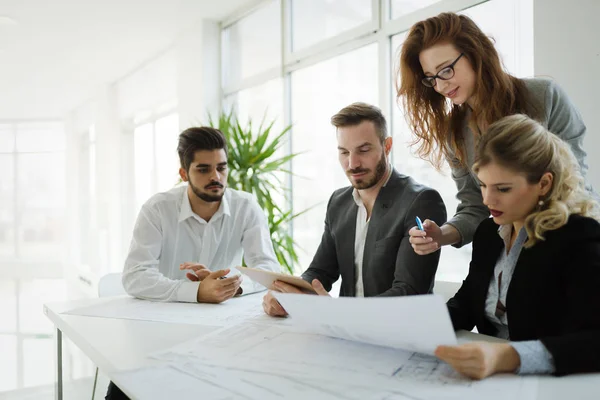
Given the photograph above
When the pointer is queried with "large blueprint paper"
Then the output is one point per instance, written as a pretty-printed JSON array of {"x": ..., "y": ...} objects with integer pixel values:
[
  {"x": 348, "y": 369},
  {"x": 193, "y": 380},
  {"x": 415, "y": 323}
]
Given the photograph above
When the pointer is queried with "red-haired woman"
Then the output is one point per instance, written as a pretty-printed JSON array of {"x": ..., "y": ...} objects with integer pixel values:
[{"x": 453, "y": 86}]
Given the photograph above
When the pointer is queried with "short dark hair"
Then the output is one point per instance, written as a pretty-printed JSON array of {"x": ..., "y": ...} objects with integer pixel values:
[
  {"x": 199, "y": 138},
  {"x": 356, "y": 113}
]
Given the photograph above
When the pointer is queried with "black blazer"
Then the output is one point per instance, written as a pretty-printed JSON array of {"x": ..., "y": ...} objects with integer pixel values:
[
  {"x": 553, "y": 296},
  {"x": 390, "y": 265}
]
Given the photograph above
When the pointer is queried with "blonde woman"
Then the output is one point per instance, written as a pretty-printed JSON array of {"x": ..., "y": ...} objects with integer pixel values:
[
  {"x": 535, "y": 269},
  {"x": 453, "y": 86}
]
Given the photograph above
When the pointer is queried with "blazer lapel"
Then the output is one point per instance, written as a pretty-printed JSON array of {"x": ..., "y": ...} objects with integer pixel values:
[
  {"x": 345, "y": 238},
  {"x": 383, "y": 204}
]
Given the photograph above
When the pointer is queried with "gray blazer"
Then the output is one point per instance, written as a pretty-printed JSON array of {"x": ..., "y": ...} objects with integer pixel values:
[
  {"x": 558, "y": 115},
  {"x": 390, "y": 265}
]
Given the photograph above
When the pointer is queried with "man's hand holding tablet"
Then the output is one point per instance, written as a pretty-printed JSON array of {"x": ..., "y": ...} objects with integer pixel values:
[{"x": 281, "y": 283}]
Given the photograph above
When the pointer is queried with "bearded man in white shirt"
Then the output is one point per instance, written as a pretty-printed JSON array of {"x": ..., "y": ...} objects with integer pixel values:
[{"x": 186, "y": 240}]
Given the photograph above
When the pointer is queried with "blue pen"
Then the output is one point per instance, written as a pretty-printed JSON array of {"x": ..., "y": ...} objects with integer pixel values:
[{"x": 419, "y": 224}]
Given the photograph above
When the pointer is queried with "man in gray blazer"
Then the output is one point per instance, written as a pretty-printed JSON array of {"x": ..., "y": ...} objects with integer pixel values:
[{"x": 366, "y": 239}]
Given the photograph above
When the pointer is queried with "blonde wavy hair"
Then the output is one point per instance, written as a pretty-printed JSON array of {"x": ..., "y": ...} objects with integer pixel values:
[{"x": 523, "y": 145}]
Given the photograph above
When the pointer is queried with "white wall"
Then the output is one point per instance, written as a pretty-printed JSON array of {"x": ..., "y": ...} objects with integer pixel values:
[
  {"x": 186, "y": 76},
  {"x": 148, "y": 87},
  {"x": 198, "y": 73},
  {"x": 567, "y": 48}
]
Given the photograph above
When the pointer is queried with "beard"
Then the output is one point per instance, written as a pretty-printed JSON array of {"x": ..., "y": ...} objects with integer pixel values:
[
  {"x": 207, "y": 197},
  {"x": 368, "y": 183}
]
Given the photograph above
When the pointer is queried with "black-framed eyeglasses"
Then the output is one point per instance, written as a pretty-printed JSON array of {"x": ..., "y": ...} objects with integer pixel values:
[{"x": 444, "y": 74}]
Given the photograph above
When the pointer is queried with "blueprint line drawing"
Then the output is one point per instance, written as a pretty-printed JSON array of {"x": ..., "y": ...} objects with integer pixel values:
[{"x": 282, "y": 353}]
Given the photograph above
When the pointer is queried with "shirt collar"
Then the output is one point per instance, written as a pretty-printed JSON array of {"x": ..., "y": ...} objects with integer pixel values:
[
  {"x": 356, "y": 195},
  {"x": 505, "y": 232},
  {"x": 224, "y": 207},
  {"x": 186, "y": 212}
]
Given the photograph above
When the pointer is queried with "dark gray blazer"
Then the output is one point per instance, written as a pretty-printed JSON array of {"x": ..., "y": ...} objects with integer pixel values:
[{"x": 390, "y": 265}]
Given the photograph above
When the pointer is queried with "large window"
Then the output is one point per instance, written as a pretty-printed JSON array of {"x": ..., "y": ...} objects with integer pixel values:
[
  {"x": 32, "y": 250},
  {"x": 258, "y": 102},
  {"x": 88, "y": 228},
  {"x": 156, "y": 163},
  {"x": 318, "y": 92},
  {"x": 336, "y": 53},
  {"x": 143, "y": 156},
  {"x": 32, "y": 193},
  {"x": 7, "y": 200},
  {"x": 316, "y": 20},
  {"x": 400, "y": 8},
  {"x": 259, "y": 106},
  {"x": 253, "y": 45},
  {"x": 166, "y": 135}
]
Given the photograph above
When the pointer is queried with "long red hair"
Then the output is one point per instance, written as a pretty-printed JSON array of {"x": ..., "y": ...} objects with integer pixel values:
[{"x": 435, "y": 121}]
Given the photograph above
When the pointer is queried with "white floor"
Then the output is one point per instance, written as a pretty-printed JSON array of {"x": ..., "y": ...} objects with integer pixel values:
[
  {"x": 73, "y": 390},
  {"x": 27, "y": 363}
]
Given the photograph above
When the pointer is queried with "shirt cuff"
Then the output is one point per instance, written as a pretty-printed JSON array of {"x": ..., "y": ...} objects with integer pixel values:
[
  {"x": 535, "y": 358},
  {"x": 187, "y": 292}
]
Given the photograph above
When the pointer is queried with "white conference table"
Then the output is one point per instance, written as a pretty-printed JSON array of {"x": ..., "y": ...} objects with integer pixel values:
[{"x": 123, "y": 344}]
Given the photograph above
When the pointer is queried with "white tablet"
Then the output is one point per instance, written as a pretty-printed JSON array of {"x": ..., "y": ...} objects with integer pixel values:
[{"x": 266, "y": 278}]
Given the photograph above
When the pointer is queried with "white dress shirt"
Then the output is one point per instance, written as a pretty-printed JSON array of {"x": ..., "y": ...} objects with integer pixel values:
[
  {"x": 168, "y": 233},
  {"x": 360, "y": 237}
]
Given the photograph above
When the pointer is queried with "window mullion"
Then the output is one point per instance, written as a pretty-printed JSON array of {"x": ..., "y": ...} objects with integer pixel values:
[{"x": 16, "y": 213}]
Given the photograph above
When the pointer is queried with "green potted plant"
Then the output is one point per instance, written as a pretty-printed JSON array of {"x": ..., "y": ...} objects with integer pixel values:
[{"x": 256, "y": 167}]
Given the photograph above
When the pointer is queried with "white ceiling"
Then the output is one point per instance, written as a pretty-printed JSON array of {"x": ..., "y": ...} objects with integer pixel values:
[{"x": 61, "y": 51}]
